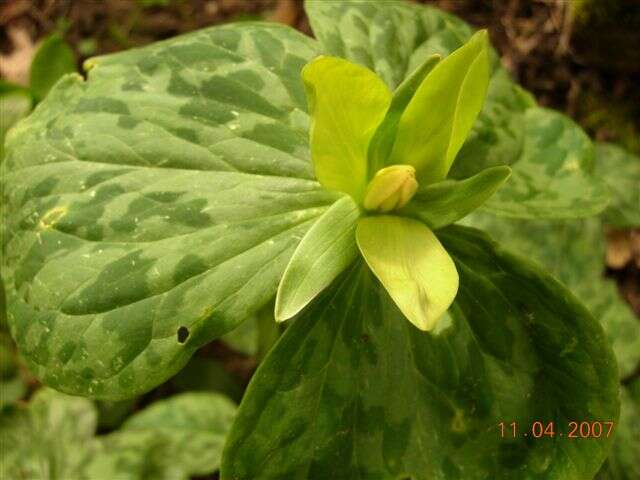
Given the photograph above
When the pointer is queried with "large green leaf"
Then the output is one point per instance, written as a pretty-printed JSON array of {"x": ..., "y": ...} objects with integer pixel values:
[
  {"x": 14, "y": 105},
  {"x": 573, "y": 251},
  {"x": 195, "y": 426},
  {"x": 392, "y": 38},
  {"x": 549, "y": 154},
  {"x": 551, "y": 176},
  {"x": 45, "y": 440},
  {"x": 621, "y": 172},
  {"x": 155, "y": 206},
  {"x": 498, "y": 135},
  {"x": 53, "y": 439},
  {"x": 376, "y": 398}
]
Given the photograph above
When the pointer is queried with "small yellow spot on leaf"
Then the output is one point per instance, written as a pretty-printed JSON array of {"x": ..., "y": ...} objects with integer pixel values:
[
  {"x": 458, "y": 424},
  {"x": 52, "y": 217}
]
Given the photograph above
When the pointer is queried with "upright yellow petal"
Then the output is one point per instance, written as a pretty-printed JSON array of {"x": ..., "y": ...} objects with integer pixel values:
[{"x": 347, "y": 102}]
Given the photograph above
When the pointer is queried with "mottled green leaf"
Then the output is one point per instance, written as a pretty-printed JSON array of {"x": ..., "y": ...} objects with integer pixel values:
[
  {"x": 621, "y": 172},
  {"x": 443, "y": 203},
  {"x": 53, "y": 59},
  {"x": 551, "y": 157},
  {"x": 378, "y": 399},
  {"x": 326, "y": 250},
  {"x": 435, "y": 123},
  {"x": 573, "y": 251},
  {"x": 551, "y": 177},
  {"x": 195, "y": 426},
  {"x": 411, "y": 264},
  {"x": 53, "y": 438},
  {"x": 47, "y": 440},
  {"x": 382, "y": 141},
  {"x": 347, "y": 102},
  {"x": 549, "y": 154},
  {"x": 13, "y": 107},
  {"x": 392, "y": 38},
  {"x": 154, "y": 206},
  {"x": 498, "y": 134}
]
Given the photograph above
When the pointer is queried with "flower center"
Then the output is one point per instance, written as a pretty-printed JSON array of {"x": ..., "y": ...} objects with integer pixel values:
[{"x": 391, "y": 188}]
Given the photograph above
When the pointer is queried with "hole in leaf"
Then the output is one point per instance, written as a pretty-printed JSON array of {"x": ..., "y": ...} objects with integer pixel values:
[{"x": 183, "y": 334}]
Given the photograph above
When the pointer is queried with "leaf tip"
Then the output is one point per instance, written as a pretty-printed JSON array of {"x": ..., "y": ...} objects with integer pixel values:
[
  {"x": 282, "y": 310},
  {"x": 482, "y": 36},
  {"x": 505, "y": 172}
]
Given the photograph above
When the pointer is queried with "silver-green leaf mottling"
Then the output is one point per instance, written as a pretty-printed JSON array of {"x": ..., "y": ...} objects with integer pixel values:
[
  {"x": 166, "y": 191},
  {"x": 573, "y": 251},
  {"x": 620, "y": 170},
  {"x": 52, "y": 438},
  {"x": 375, "y": 398}
]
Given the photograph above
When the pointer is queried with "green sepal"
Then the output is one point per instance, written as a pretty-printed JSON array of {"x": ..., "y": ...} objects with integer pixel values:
[
  {"x": 346, "y": 102},
  {"x": 440, "y": 115},
  {"x": 411, "y": 264},
  {"x": 443, "y": 203},
  {"x": 382, "y": 142},
  {"x": 326, "y": 250}
]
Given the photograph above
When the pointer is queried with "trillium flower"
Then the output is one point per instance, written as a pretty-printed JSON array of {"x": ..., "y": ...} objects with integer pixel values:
[{"x": 389, "y": 153}]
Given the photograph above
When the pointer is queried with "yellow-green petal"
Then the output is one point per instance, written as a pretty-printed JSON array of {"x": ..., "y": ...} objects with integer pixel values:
[
  {"x": 382, "y": 141},
  {"x": 347, "y": 102},
  {"x": 411, "y": 264},
  {"x": 438, "y": 118}
]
